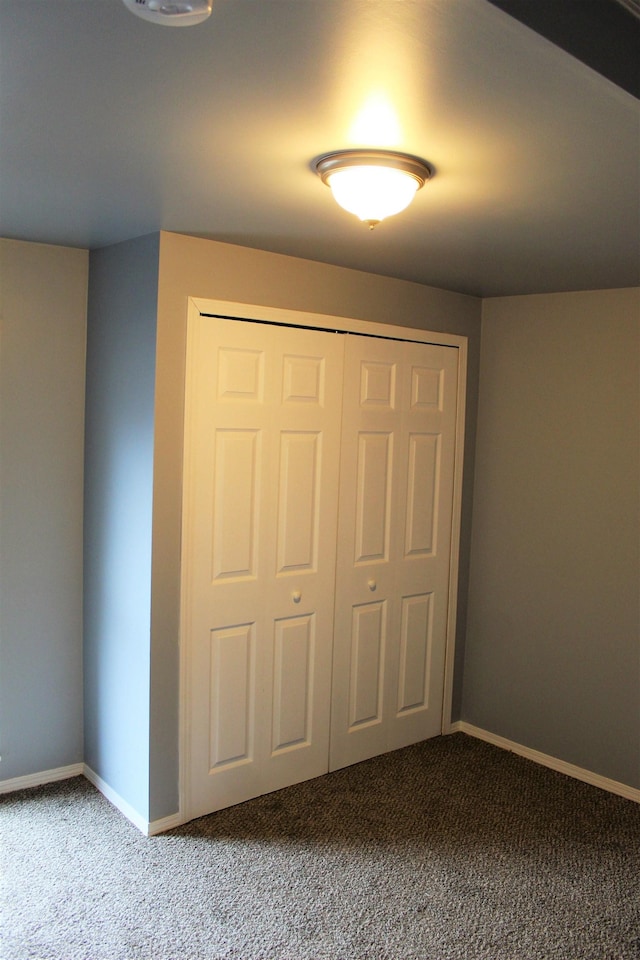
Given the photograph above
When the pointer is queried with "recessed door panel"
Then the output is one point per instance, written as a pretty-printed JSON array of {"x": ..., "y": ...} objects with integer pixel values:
[
  {"x": 235, "y": 503},
  {"x": 373, "y": 497},
  {"x": 422, "y": 487},
  {"x": 232, "y": 687},
  {"x": 367, "y": 664},
  {"x": 293, "y": 682},
  {"x": 415, "y": 653},
  {"x": 303, "y": 379},
  {"x": 378, "y": 384},
  {"x": 298, "y": 509},
  {"x": 240, "y": 374},
  {"x": 426, "y": 388}
]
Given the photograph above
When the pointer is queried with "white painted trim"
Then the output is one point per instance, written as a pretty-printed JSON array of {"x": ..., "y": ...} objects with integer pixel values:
[
  {"x": 149, "y": 829},
  {"x": 456, "y": 520},
  {"x": 119, "y": 802},
  {"x": 82, "y": 770},
  {"x": 166, "y": 823},
  {"x": 197, "y": 306},
  {"x": 553, "y": 763},
  {"x": 299, "y": 318},
  {"x": 44, "y": 776}
]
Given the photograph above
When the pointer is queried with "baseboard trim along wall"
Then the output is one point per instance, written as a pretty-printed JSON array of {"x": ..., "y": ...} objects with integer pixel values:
[
  {"x": 561, "y": 766},
  {"x": 113, "y": 797},
  {"x": 166, "y": 823},
  {"x": 153, "y": 827},
  {"x": 44, "y": 776},
  {"x": 148, "y": 828}
]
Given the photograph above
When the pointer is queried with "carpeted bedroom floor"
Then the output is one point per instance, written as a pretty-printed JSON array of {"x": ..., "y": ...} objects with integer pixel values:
[{"x": 448, "y": 850}]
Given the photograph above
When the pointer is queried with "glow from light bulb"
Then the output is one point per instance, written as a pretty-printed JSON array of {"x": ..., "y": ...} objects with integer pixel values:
[
  {"x": 376, "y": 122},
  {"x": 372, "y": 193}
]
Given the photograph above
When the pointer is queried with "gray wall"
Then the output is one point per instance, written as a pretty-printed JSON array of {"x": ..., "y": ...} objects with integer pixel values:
[
  {"x": 121, "y": 350},
  {"x": 43, "y": 296},
  {"x": 552, "y": 657},
  {"x": 203, "y": 268},
  {"x": 553, "y": 642}
]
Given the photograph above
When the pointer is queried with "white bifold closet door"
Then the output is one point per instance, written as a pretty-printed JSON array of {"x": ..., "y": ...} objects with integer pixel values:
[
  {"x": 261, "y": 476},
  {"x": 318, "y": 482},
  {"x": 394, "y": 543}
]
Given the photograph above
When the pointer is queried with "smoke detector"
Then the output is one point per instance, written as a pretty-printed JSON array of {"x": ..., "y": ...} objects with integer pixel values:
[{"x": 171, "y": 13}]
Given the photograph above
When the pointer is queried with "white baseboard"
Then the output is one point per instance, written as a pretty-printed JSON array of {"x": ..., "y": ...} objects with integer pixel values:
[
  {"x": 166, "y": 823},
  {"x": 149, "y": 829},
  {"x": 119, "y": 802},
  {"x": 561, "y": 766},
  {"x": 44, "y": 776}
]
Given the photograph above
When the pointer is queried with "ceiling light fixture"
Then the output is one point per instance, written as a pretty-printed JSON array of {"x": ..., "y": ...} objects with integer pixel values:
[
  {"x": 171, "y": 13},
  {"x": 372, "y": 184}
]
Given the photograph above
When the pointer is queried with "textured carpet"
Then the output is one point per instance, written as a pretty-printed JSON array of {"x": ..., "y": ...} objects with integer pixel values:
[{"x": 449, "y": 850}]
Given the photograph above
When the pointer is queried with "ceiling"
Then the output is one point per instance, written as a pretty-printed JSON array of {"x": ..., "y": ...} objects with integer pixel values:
[{"x": 112, "y": 127}]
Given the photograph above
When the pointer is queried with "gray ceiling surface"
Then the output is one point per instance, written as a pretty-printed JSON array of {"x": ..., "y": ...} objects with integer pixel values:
[{"x": 112, "y": 127}]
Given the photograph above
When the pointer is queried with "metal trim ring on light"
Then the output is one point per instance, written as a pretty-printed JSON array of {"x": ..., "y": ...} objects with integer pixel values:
[{"x": 328, "y": 163}]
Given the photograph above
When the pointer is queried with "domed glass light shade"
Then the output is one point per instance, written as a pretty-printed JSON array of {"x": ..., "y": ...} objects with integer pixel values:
[{"x": 372, "y": 184}]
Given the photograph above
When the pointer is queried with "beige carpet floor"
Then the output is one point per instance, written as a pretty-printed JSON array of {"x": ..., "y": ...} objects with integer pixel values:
[{"x": 448, "y": 850}]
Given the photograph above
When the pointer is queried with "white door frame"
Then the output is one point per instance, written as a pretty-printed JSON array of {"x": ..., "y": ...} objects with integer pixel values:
[{"x": 243, "y": 311}]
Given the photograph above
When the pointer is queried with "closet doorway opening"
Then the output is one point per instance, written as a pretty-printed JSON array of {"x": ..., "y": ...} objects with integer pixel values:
[{"x": 321, "y": 507}]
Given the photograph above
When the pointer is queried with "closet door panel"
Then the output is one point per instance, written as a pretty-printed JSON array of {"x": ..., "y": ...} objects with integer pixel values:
[
  {"x": 299, "y": 501},
  {"x": 416, "y": 635},
  {"x": 421, "y": 507},
  {"x": 237, "y": 461},
  {"x": 293, "y": 683},
  {"x": 232, "y": 695},
  {"x": 368, "y": 636},
  {"x": 373, "y": 496},
  {"x": 261, "y": 484},
  {"x": 396, "y": 491}
]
